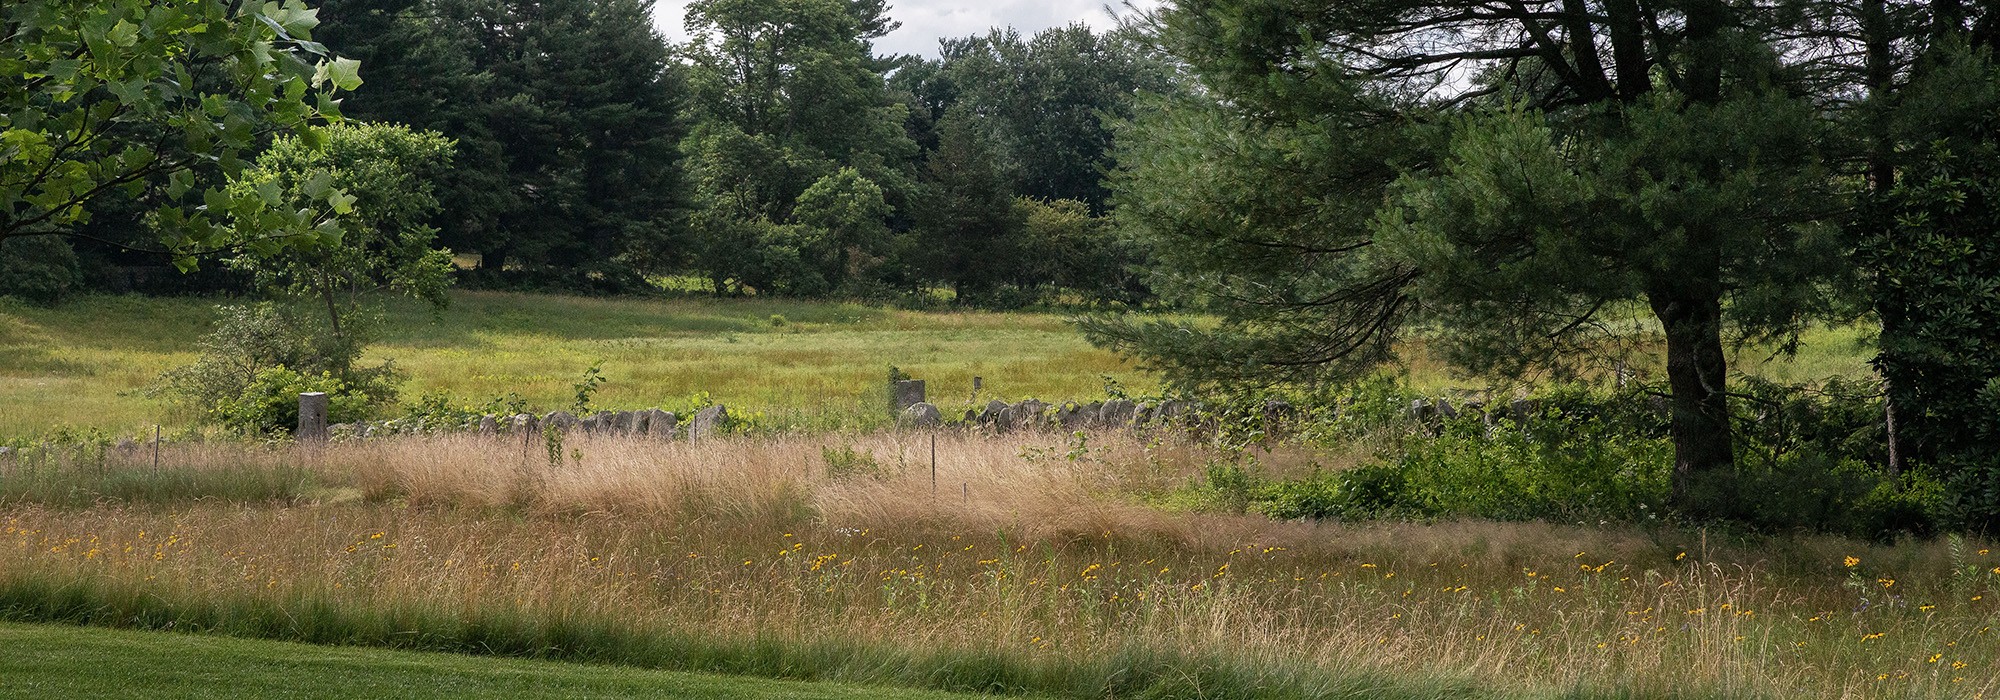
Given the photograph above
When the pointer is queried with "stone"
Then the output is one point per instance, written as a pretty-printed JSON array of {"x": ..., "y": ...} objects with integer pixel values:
[
  {"x": 1117, "y": 412},
  {"x": 1074, "y": 416},
  {"x": 562, "y": 421},
  {"x": 1170, "y": 411},
  {"x": 1145, "y": 413},
  {"x": 1521, "y": 410},
  {"x": 1445, "y": 410},
  {"x": 489, "y": 426},
  {"x": 993, "y": 412},
  {"x": 127, "y": 445},
  {"x": 971, "y": 416},
  {"x": 312, "y": 417},
  {"x": 922, "y": 415},
  {"x": 1026, "y": 414},
  {"x": 907, "y": 393},
  {"x": 1421, "y": 409},
  {"x": 707, "y": 421},
  {"x": 6, "y": 452},
  {"x": 662, "y": 424},
  {"x": 624, "y": 423}
]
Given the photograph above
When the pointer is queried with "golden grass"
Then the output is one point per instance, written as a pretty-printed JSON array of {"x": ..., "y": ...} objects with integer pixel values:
[{"x": 1035, "y": 547}]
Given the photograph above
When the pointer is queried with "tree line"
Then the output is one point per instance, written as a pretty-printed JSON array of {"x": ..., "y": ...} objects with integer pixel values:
[{"x": 774, "y": 153}]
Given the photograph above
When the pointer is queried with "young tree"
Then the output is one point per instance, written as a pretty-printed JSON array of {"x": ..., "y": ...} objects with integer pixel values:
[
  {"x": 147, "y": 100},
  {"x": 1633, "y": 150},
  {"x": 386, "y": 245},
  {"x": 844, "y": 213},
  {"x": 1927, "y": 244}
]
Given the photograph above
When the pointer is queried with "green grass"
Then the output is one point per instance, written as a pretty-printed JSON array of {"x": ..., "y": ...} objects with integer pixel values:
[
  {"x": 812, "y": 364},
  {"x": 48, "y": 661},
  {"x": 815, "y": 365}
]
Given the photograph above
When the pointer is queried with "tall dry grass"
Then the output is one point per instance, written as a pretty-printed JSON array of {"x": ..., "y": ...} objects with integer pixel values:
[{"x": 1040, "y": 552}]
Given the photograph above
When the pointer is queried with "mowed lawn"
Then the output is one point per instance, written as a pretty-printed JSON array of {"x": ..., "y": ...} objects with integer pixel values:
[
  {"x": 49, "y": 662},
  {"x": 86, "y": 363}
]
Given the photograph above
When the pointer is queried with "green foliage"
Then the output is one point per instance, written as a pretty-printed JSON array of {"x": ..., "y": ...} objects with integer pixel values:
[
  {"x": 1046, "y": 101},
  {"x": 1330, "y": 192},
  {"x": 39, "y": 269},
  {"x": 258, "y": 359},
  {"x": 1067, "y": 247},
  {"x": 843, "y": 463},
  {"x": 434, "y": 409},
  {"x": 1935, "y": 268},
  {"x": 968, "y": 227},
  {"x": 587, "y": 387},
  {"x": 568, "y": 120},
  {"x": 389, "y": 172},
  {"x": 151, "y": 100},
  {"x": 270, "y": 402},
  {"x": 799, "y": 157}
]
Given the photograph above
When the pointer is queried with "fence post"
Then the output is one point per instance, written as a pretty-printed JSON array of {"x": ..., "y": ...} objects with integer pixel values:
[{"x": 312, "y": 417}]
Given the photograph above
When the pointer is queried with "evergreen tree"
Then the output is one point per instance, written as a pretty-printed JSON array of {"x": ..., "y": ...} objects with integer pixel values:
[
  {"x": 1541, "y": 163},
  {"x": 968, "y": 227},
  {"x": 568, "y": 116}
]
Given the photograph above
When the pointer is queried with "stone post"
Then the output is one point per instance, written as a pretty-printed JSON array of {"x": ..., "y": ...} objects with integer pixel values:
[
  {"x": 312, "y": 417},
  {"x": 908, "y": 393}
]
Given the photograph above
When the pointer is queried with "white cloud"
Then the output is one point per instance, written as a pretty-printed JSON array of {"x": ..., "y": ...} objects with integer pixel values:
[{"x": 926, "y": 21}]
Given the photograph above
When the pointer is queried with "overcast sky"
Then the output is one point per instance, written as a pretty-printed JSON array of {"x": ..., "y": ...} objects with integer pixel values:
[{"x": 926, "y": 21}]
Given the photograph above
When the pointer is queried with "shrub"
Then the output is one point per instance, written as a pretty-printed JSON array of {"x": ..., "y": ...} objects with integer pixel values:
[
  {"x": 238, "y": 373},
  {"x": 270, "y": 402},
  {"x": 39, "y": 269}
]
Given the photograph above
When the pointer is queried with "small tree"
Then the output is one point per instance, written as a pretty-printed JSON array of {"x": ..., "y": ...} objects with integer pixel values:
[
  {"x": 390, "y": 173},
  {"x": 257, "y": 359},
  {"x": 845, "y": 215}
]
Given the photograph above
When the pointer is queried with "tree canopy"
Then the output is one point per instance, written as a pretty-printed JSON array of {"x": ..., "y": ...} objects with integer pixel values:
[
  {"x": 157, "y": 101},
  {"x": 1503, "y": 174}
]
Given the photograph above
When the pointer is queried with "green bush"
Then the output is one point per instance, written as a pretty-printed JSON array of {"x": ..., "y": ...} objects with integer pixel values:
[
  {"x": 39, "y": 269},
  {"x": 257, "y": 352},
  {"x": 270, "y": 402}
]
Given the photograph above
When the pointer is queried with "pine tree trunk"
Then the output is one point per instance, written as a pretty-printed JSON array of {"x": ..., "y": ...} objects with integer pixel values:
[{"x": 1697, "y": 372}]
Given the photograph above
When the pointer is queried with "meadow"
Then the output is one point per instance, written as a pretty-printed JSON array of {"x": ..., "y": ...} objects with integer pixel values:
[
  {"x": 817, "y": 365},
  {"x": 811, "y": 365},
  {"x": 1031, "y": 563},
  {"x": 827, "y": 546}
]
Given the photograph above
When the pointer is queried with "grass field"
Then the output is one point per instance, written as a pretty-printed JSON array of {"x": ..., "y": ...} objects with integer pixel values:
[
  {"x": 49, "y": 661},
  {"x": 1032, "y": 564},
  {"x": 806, "y": 364}
]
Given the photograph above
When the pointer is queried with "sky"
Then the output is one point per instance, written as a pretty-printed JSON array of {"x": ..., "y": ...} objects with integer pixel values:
[{"x": 926, "y": 21}]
